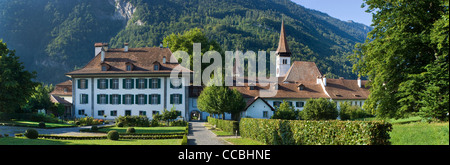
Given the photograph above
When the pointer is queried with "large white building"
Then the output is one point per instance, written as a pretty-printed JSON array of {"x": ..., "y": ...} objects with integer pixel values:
[
  {"x": 127, "y": 81},
  {"x": 136, "y": 81}
]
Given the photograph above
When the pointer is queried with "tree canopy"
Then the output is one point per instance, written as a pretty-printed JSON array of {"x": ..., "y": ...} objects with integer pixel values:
[
  {"x": 16, "y": 85},
  {"x": 406, "y": 58}
]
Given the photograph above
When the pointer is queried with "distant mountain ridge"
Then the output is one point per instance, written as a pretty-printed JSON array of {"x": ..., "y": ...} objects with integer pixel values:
[{"x": 54, "y": 37}]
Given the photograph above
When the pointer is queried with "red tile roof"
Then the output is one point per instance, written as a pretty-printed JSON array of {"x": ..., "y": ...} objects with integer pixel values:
[
  {"x": 341, "y": 89},
  {"x": 143, "y": 60},
  {"x": 63, "y": 89}
]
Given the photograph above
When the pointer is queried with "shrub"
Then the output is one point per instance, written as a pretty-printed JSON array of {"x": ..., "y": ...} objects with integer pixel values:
[
  {"x": 225, "y": 125},
  {"x": 185, "y": 140},
  {"x": 94, "y": 128},
  {"x": 119, "y": 124},
  {"x": 131, "y": 130},
  {"x": 77, "y": 123},
  {"x": 133, "y": 121},
  {"x": 113, "y": 135},
  {"x": 329, "y": 132},
  {"x": 178, "y": 123},
  {"x": 349, "y": 112},
  {"x": 319, "y": 109},
  {"x": 154, "y": 123},
  {"x": 285, "y": 111},
  {"x": 41, "y": 125},
  {"x": 31, "y": 134}
]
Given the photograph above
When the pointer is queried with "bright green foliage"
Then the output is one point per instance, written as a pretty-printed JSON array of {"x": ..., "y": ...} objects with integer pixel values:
[
  {"x": 285, "y": 111},
  {"x": 349, "y": 112},
  {"x": 113, "y": 135},
  {"x": 300, "y": 132},
  {"x": 319, "y": 109},
  {"x": 406, "y": 58},
  {"x": 225, "y": 125},
  {"x": 220, "y": 100},
  {"x": 16, "y": 85}
]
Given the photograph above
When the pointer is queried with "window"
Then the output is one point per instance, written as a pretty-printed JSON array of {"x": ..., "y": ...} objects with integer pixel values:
[
  {"x": 128, "y": 99},
  {"x": 284, "y": 61},
  {"x": 115, "y": 99},
  {"x": 128, "y": 67},
  {"x": 81, "y": 112},
  {"x": 175, "y": 99},
  {"x": 155, "y": 67},
  {"x": 114, "y": 83},
  {"x": 155, "y": 83},
  {"x": 142, "y": 113},
  {"x": 265, "y": 114},
  {"x": 84, "y": 99},
  {"x": 102, "y": 99},
  {"x": 82, "y": 84},
  {"x": 101, "y": 112},
  {"x": 102, "y": 83},
  {"x": 113, "y": 113},
  {"x": 164, "y": 60},
  {"x": 175, "y": 83},
  {"x": 155, "y": 99},
  {"x": 127, "y": 112},
  {"x": 276, "y": 103},
  {"x": 128, "y": 83},
  {"x": 300, "y": 104},
  {"x": 141, "y": 83},
  {"x": 141, "y": 99},
  {"x": 104, "y": 68},
  {"x": 155, "y": 112}
]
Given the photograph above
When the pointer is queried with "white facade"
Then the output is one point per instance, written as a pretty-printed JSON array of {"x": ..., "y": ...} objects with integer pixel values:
[
  {"x": 116, "y": 102},
  {"x": 258, "y": 109},
  {"x": 282, "y": 64}
]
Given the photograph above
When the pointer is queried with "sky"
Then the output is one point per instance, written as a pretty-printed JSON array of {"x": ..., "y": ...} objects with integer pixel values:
[{"x": 341, "y": 9}]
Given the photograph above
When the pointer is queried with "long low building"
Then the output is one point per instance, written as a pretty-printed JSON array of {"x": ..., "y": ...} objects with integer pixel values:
[{"x": 136, "y": 81}]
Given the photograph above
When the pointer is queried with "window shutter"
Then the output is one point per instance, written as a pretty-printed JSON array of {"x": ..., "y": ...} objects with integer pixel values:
[
  {"x": 132, "y": 83},
  {"x": 124, "y": 81},
  {"x": 171, "y": 86},
  {"x": 87, "y": 83},
  {"x": 171, "y": 99},
  {"x": 98, "y": 83},
  {"x": 86, "y": 99},
  {"x": 137, "y": 83},
  {"x": 106, "y": 83},
  {"x": 159, "y": 99},
  {"x": 180, "y": 98},
  {"x": 98, "y": 99},
  {"x": 106, "y": 99},
  {"x": 145, "y": 83},
  {"x": 145, "y": 99},
  {"x": 119, "y": 99},
  {"x": 123, "y": 99},
  {"x": 159, "y": 83},
  {"x": 79, "y": 83},
  {"x": 132, "y": 99},
  {"x": 110, "y": 83}
]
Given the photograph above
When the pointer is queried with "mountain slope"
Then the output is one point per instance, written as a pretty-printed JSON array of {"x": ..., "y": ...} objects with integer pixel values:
[{"x": 68, "y": 30}]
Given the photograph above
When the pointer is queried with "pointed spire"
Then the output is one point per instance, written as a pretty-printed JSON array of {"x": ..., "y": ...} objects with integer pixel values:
[{"x": 283, "y": 48}]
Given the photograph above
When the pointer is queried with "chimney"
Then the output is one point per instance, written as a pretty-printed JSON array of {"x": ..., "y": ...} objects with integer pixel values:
[
  {"x": 105, "y": 46},
  {"x": 359, "y": 82},
  {"x": 161, "y": 45},
  {"x": 125, "y": 49},
  {"x": 98, "y": 48},
  {"x": 319, "y": 79},
  {"x": 103, "y": 56},
  {"x": 324, "y": 80}
]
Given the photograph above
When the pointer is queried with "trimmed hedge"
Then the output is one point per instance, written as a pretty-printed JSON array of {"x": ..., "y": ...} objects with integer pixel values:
[
  {"x": 225, "y": 125},
  {"x": 328, "y": 132}
]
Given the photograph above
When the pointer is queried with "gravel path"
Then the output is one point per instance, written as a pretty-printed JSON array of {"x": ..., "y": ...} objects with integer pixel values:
[{"x": 199, "y": 135}]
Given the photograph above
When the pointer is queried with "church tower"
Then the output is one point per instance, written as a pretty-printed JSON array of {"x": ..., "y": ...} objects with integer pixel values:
[{"x": 283, "y": 59}]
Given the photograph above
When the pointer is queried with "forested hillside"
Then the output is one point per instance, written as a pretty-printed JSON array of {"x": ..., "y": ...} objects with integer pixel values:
[{"x": 54, "y": 37}]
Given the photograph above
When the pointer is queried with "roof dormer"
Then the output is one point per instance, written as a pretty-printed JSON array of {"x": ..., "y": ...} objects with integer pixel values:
[
  {"x": 105, "y": 66},
  {"x": 156, "y": 66},
  {"x": 129, "y": 66}
]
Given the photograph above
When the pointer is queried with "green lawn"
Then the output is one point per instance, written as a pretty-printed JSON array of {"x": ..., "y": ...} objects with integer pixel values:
[
  {"x": 147, "y": 129},
  {"x": 36, "y": 124},
  {"x": 26, "y": 141},
  {"x": 420, "y": 133}
]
